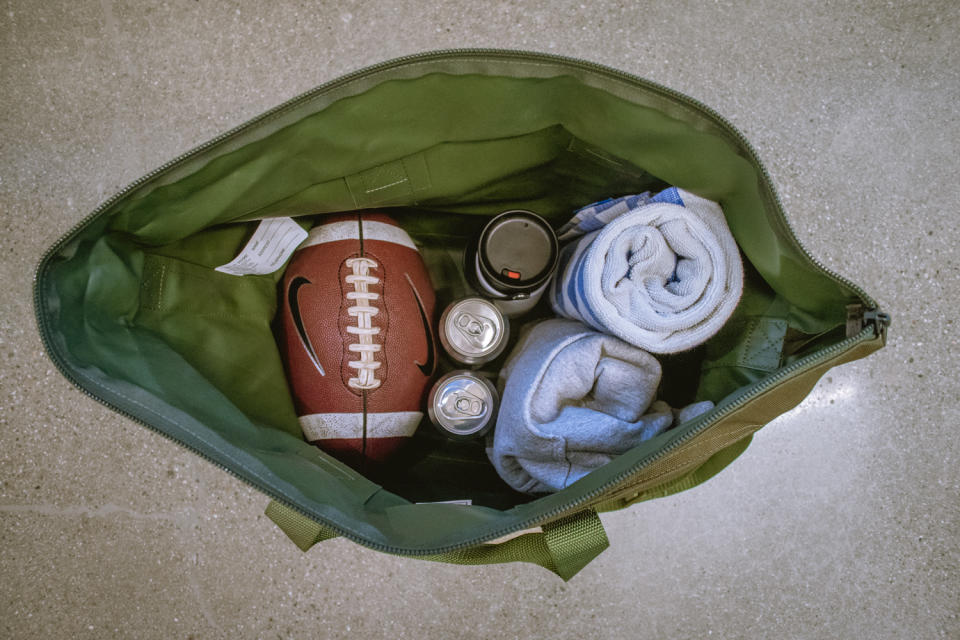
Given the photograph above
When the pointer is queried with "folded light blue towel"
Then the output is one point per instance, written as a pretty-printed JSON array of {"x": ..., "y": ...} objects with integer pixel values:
[
  {"x": 662, "y": 272},
  {"x": 573, "y": 399}
]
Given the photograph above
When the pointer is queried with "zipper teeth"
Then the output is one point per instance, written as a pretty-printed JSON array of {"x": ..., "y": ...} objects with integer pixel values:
[
  {"x": 500, "y": 53},
  {"x": 126, "y": 414},
  {"x": 724, "y": 124},
  {"x": 757, "y": 389},
  {"x": 753, "y": 157},
  {"x": 289, "y": 104}
]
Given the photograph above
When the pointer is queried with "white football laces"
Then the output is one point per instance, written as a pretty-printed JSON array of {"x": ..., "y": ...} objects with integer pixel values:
[{"x": 364, "y": 312}]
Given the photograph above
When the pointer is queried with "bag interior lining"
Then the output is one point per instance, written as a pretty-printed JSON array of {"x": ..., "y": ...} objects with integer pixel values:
[{"x": 133, "y": 300}]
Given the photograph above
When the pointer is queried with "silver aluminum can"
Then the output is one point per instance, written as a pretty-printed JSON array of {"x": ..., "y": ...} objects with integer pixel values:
[
  {"x": 463, "y": 405},
  {"x": 473, "y": 331}
]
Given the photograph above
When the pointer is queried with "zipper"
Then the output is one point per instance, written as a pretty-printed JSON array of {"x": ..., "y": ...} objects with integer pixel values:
[
  {"x": 857, "y": 316},
  {"x": 496, "y": 53},
  {"x": 877, "y": 327},
  {"x": 867, "y": 333},
  {"x": 878, "y": 320}
]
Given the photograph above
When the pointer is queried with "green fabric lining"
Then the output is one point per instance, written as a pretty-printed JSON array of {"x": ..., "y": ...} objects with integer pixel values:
[
  {"x": 359, "y": 133},
  {"x": 437, "y": 144}
]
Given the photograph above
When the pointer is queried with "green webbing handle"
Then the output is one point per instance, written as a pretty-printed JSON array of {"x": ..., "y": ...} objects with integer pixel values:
[{"x": 565, "y": 547}]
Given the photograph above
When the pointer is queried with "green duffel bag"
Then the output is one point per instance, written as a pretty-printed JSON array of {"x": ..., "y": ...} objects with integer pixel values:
[{"x": 132, "y": 311}]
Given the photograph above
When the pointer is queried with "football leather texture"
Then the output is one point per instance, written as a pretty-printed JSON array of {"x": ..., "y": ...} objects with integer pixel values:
[{"x": 357, "y": 336}]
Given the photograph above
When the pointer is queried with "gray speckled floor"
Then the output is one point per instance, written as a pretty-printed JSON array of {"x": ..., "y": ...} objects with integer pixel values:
[{"x": 841, "y": 521}]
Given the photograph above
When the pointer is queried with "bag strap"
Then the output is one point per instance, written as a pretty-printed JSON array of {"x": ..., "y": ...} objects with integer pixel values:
[{"x": 565, "y": 546}]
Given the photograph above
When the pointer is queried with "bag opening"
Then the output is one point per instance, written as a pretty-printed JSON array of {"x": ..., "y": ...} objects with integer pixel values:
[{"x": 132, "y": 307}]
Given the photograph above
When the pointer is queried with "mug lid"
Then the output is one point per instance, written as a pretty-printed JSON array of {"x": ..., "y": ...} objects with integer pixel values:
[{"x": 517, "y": 250}]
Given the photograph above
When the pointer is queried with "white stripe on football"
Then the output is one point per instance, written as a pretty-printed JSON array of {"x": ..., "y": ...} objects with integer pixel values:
[
  {"x": 350, "y": 230},
  {"x": 324, "y": 426}
]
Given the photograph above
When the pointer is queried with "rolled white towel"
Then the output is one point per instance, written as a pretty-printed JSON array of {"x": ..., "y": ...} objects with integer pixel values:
[{"x": 663, "y": 273}]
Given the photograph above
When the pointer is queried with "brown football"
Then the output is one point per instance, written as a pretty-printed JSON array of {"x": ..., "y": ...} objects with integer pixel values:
[{"x": 357, "y": 336}]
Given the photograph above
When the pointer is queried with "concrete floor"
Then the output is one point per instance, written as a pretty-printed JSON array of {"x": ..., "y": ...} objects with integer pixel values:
[{"x": 841, "y": 521}]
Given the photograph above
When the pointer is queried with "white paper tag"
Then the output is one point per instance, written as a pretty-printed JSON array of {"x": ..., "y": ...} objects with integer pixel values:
[
  {"x": 272, "y": 243},
  {"x": 466, "y": 501}
]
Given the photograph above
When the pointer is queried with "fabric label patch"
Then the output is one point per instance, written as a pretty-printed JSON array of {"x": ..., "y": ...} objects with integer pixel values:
[{"x": 271, "y": 245}]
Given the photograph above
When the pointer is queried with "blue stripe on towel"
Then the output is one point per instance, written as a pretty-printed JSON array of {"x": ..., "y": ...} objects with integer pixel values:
[
  {"x": 556, "y": 289},
  {"x": 576, "y": 288},
  {"x": 570, "y": 296},
  {"x": 669, "y": 196}
]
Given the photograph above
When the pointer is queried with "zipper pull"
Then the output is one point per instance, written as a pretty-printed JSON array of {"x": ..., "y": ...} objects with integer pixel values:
[
  {"x": 857, "y": 317},
  {"x": 880, "y": 319}
]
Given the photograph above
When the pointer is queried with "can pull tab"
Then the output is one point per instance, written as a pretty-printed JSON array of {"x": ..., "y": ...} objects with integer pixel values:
[
  {"x": 478, "y": 331},
  {"x": 462, "y": 404}
]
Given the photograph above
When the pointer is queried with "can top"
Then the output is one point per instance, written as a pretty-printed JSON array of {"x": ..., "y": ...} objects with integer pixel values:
[
  {"x": 463, "y": 404},
  {"x": 473, "y": 328},
  {"x": 517, "y": 251}
]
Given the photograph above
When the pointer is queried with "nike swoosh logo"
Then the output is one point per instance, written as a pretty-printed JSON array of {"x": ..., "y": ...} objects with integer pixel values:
[
  {"x": 427, "y": 367},
  {"x": 294, "y": 301}
]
